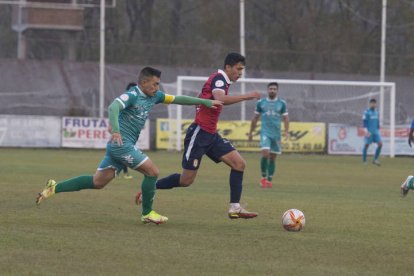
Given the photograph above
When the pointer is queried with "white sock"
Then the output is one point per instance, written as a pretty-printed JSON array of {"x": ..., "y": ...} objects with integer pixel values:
[{"x": 234, "y": 206}]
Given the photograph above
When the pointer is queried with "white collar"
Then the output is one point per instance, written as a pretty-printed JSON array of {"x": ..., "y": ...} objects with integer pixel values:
[
  {"x": 141, "y": 93},
  {"x": 274, "y": 100},
  {"x": 225, "y": 76}
]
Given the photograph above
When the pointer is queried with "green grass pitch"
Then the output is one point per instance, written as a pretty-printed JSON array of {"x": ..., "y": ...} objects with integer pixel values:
[{"x": 356, "y": 223}]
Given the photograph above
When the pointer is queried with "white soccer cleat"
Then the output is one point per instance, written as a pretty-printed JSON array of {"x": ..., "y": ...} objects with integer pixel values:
[
  {"x": 404, "y": 187},
  {"x": 376, "y": 162},
  {"x": 240, "y": 212}
]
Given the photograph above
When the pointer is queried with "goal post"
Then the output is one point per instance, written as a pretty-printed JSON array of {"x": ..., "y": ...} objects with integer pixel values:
[{"x": 327, "y": 101}]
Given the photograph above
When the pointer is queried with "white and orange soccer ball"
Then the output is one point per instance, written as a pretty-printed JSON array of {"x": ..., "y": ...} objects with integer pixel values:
[{"x": 293, "y": 220}]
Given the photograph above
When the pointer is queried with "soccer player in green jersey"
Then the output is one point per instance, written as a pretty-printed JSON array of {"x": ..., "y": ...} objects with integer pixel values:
[
  {"x": 272, "y": 111},
  {"x": 127, "y": 116},
  {"x": 408, "y": 184}
]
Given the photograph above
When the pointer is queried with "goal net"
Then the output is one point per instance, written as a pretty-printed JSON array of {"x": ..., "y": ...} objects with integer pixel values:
[{"x": 335, "y": 104}]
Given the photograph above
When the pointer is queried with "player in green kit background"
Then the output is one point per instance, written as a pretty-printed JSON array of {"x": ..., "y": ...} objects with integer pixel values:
[
  {"x": 408, "y": 184},
  {"x": 272, "y": 111},
  {"x": 127, "y": 116},
  {"x": 371, "y": 123}
]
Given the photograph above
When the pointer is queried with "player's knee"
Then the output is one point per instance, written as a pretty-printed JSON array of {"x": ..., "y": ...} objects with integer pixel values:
[
  {"x": 99, "y": 183},
  {"x": 101, "y": 179},
  {"x": 239, "y": 165},
  {"x": 98, "y": 186},
  {"x": 265, "y": 153},
  {"x": 153, "y": 172},
  {"x": 380, "y": 145},
  {"x": 186, "y": 182}
]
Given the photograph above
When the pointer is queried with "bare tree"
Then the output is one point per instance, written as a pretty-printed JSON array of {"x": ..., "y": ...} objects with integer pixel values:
[{"x": 139, "y": 13}]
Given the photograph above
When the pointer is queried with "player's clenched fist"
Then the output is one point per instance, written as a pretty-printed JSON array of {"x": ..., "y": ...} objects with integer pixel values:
[
  {"x": 216, "y": 104},
  {"x": 253, "y": 95}
]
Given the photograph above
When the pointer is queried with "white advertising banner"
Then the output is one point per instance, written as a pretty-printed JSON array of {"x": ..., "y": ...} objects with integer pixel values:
[
  {"x": 29, "y": 131},
  {"x": 344, "y": 139},
  {"x": 88, "y": 132}
]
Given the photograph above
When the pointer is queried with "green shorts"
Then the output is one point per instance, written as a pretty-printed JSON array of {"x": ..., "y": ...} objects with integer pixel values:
[
  {"x": 270, "y": 143},
  {"x": 119, "y": 157}
]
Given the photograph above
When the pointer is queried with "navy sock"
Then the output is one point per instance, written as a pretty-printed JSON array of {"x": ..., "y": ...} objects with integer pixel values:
[
  {"x": 169, "y": 182},
  {"x": 236, "y": 180}
]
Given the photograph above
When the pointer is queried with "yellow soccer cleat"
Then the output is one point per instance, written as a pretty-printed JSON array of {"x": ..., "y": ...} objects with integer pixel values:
[
  {"x": 154, "y": 217},
  {"x": 47, "y": 192}
]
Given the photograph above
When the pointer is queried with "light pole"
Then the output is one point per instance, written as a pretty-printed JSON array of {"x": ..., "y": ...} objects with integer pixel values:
[
  {"x": 243, "y": 52},
  {"x": 102, "y": 61},
  {"x": 383, "y": 56}
]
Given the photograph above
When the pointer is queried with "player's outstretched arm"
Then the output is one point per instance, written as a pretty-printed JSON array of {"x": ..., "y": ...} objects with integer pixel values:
[
  {"x": 186, "y": 100},
  {"x": 227, "y": 99},
  {"x": 113, "y": 111}
]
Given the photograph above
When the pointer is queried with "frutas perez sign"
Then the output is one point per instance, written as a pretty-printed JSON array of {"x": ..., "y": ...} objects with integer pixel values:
[{"x": 88, "y": 132}]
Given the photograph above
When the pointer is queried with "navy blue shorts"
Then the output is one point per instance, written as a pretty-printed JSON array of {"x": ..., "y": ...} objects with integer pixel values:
[{"x": 198, "y": 142}]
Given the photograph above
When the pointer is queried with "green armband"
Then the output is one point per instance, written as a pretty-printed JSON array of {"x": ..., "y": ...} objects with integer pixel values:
[
  {"x": 186, "y": 100},
  {"x": 113, "y": 114}
]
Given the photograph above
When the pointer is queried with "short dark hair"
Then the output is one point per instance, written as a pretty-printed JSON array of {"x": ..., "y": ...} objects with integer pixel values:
[
  {"x": 273, "y": 84},
  {"x": 234, "y": 58},
  {"x": 130, "y": 85},
  {"x": 373, "y": 100},
  {"x": 147, "y": 72}
]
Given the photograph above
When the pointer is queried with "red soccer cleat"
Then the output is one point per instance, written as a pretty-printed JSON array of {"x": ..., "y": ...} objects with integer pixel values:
[
  {"x": 268, "y": 184},
  {"x": 263, "y": 182}
]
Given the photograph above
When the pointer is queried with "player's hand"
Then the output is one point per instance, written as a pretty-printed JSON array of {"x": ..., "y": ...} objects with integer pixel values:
[
  {"x": 216, "y": 104},
  {"x": 367, "y": 133},
  {"x": 116, "y": 138},
  {"x": 253, "y": 95},
  {"x": 287, "y": 134}
]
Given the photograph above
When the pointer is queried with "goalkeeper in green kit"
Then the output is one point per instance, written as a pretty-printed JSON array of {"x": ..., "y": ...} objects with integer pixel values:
[{"x": 127, "y": 115}]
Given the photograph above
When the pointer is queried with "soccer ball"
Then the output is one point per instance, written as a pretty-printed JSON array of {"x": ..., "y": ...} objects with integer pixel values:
[{"x": 293, "y": 220}]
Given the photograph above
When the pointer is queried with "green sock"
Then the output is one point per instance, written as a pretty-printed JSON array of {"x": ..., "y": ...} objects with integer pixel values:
[
  {"x": 410, "y": 183},
  {"x": 263, "y": 166},
  {"x": 148, "y": 193},
  {"x": 75, "y": 184},
  {"x": 271, "y": 169}
]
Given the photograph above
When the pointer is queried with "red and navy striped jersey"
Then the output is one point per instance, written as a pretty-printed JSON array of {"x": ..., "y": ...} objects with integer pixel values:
[{"x": 207, "y": 118}]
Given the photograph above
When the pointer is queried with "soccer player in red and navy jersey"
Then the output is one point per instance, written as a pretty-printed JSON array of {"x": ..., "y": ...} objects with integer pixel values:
[{"x": 202, "y": 137}]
